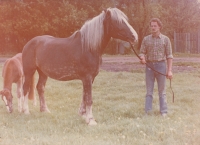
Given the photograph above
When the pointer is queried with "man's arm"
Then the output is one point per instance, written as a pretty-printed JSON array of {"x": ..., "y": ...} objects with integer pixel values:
[
  {"x": 169, "y": 68},
  {"x": 142, "y": 52}
]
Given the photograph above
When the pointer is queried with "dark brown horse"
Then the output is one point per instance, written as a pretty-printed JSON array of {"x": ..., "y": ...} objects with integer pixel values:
[
  {"x": 13, "y": 73},
  {"x": 75, "y": 57}
]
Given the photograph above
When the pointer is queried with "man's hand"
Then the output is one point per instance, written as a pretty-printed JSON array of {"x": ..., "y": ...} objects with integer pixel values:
[
  {"x": 169, "y": 74},
  {"x": 142, "y": 60}
]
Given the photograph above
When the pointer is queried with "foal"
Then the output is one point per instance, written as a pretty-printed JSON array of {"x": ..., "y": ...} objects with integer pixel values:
[{"x": 13, "y": 73}]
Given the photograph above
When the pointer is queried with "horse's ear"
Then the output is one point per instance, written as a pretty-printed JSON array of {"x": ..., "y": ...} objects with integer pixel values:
[
  {"x": 108, "y": 14},
  {"x": 106, "y": 21},
  {"x": 106, "y": 10},
  {"x": 77, "y": 34}
]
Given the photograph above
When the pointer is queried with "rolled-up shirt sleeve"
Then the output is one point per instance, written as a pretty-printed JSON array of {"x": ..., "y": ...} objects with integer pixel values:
[{"x": 168, "y": 49}]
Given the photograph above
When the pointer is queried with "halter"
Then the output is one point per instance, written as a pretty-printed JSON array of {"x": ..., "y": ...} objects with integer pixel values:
[{"x": 155, "y": 71}]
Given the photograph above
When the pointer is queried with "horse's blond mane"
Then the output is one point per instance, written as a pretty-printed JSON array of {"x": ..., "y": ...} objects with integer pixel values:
[{"x": 92, "y": 31}]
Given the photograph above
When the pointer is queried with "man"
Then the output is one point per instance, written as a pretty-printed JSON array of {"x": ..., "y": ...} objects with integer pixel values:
[{"x": 155, "y": 51}]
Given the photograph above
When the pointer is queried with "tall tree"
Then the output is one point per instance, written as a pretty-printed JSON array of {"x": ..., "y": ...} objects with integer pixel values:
[
  {"x": 21, "y": 21},
  {"x": 139, "y": 13},
  {"x": 181, "y": 15}
]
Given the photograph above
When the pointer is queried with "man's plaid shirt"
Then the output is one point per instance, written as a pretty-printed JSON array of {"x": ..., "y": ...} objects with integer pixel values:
[{"x": 156, "y": 48}]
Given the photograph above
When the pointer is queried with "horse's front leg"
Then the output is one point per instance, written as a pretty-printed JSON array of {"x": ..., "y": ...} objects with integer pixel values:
[
  {"x": 82, "y": 110},
  {"x": 20, "y": 95},
  {"x": 86, "y": 105}
]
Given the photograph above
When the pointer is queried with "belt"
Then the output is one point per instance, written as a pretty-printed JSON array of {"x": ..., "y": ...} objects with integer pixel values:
[{"x": 156, "y": 61}]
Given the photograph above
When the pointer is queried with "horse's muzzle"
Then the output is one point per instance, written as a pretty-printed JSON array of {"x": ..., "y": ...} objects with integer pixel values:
[{"x": 8, "y": 104}]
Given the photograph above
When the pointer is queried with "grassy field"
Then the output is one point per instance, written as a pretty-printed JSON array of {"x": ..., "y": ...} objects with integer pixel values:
[{"x": 118, "y": 108}]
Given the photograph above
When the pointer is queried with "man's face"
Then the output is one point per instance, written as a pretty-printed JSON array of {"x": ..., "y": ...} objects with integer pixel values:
[{"x": 154, "y": 28}]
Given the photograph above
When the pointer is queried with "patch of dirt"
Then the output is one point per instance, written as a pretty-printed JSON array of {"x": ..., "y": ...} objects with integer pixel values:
[{"x": 131, "y": 64}]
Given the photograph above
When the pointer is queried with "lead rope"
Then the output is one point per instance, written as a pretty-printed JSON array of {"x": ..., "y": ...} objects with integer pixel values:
[{"x": 155, "y": 71}]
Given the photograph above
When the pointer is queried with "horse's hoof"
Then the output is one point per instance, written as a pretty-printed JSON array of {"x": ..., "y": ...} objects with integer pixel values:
[
  {"x": 34, "y": 104},
  {"x": 46, "y": 110},
  {"x": 92, "y": 122},
  {"x": 26, "y": 112},
  {"x": 9, "y": 111},
  {"x": 20, "y": 110}
]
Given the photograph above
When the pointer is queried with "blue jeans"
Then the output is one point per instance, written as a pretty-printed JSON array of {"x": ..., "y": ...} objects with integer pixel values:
[{"x": 151, "y": 76}]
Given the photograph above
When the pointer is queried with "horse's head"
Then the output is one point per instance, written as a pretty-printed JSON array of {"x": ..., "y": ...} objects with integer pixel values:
[
  {"x": 7, "y": 98},
  {"x": 117, "y": 26}
]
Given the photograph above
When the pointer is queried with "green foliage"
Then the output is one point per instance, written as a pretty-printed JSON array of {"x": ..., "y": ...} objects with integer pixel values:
[
  {"x": 184, "y": 16},
  {"x": 22, "y": 20},
  {"x": 139, "y": 13},
  {"x": 27, "y": 20}
]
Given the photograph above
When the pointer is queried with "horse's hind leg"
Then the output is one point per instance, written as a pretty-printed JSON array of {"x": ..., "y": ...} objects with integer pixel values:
[
  {"x": 86, "y": 105},
  {"x": 31, "y": 94},
  {"x": 26, "y": 88},
  {"x": 40, "y": 88}
]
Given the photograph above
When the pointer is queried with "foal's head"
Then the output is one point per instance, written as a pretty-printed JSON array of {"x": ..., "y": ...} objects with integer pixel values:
[{"x": 7, "y": 98}]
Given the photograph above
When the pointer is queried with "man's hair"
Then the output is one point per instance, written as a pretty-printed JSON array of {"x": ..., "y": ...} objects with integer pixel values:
[{"x": 158, "y": 22}]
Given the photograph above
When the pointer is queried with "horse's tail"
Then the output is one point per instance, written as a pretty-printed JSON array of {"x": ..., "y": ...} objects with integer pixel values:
[{"x": 31, "y": 94}]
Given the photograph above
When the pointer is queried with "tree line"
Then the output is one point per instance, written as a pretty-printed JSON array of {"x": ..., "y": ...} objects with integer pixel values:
[{"x": 21, "y": 20}]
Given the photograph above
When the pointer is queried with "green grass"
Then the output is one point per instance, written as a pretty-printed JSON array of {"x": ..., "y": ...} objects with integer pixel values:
[{"x": 118, "y": 107}]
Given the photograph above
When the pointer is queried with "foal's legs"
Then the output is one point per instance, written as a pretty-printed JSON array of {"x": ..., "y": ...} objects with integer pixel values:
[
  {"x": 40, "y": 88},
  {"x": 20, "y": 94},
  {"x": 86, "y": 105}
]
